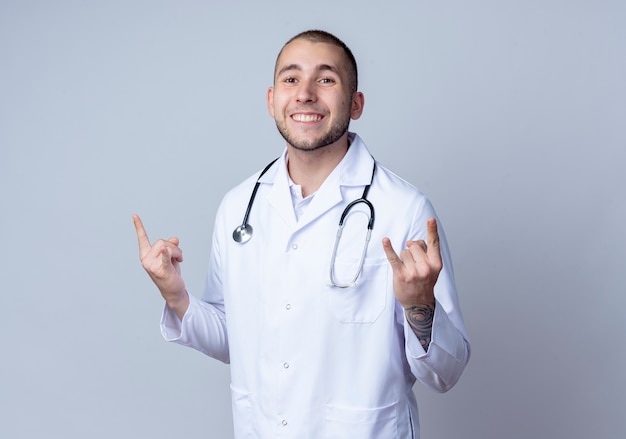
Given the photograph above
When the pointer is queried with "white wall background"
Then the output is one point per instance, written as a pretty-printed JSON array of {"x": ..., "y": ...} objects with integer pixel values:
[{"x": 508, "y": 114}]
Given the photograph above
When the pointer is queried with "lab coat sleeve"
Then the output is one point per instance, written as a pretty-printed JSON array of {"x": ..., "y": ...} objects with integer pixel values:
[
  {"x": 448, "y": 353},
  {"x": 203, "y": 328}
]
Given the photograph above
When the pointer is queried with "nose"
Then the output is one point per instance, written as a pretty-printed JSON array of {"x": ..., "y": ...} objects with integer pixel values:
[{"x": 306, "y": 92}]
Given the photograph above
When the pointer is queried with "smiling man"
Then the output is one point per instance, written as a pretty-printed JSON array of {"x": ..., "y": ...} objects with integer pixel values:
[
  {"x": 315, "y": 86},
  {"x": 327, "y": 332},
  {"x": 312, "y": 101}
]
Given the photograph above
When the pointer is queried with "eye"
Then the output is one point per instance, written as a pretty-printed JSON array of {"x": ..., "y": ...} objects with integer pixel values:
[
  {"x": 327, "y": 81},
  {"x": 289, "y": 80}
]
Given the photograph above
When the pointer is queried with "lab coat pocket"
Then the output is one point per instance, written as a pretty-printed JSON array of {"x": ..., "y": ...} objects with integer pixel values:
[
  {"x": 243, "y": 418},
  {"x": 365, "y": 301},
  {"x": 342, "y": 422}
]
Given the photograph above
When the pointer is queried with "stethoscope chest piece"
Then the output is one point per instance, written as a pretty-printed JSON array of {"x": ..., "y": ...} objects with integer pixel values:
[{"x": 243, "y": 233}]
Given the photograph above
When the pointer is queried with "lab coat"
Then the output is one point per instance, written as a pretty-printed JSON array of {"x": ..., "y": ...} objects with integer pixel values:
[{"x": 309, "y": 360}]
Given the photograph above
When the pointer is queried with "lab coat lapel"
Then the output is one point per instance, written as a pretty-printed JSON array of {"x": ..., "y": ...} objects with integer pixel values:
[
  {"x": 279, "y": 195},
  {"x": 327, "y": 197},
  {"x": 354, "y": 170}
]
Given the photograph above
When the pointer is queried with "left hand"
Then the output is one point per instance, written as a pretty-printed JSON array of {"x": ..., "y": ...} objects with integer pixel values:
[{"x": 416, "y": 270}]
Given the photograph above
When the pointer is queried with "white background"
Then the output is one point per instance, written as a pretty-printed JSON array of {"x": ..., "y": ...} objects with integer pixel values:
[{"x": 508, "y": 114}]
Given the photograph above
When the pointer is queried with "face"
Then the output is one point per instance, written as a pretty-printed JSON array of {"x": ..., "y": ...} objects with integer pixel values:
[{"x": 311, "y": 100}]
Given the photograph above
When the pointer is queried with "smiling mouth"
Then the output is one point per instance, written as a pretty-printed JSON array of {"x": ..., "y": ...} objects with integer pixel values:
[{"x": 299, "y": 117}]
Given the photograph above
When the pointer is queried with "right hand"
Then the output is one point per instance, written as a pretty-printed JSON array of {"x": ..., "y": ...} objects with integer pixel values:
[{"x": 161, "y": 261}]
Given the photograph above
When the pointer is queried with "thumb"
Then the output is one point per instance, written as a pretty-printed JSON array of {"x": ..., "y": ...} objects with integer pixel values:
[{"x": 391, "y": 254}]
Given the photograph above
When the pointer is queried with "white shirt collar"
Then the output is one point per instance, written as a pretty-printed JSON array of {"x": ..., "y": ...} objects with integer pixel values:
[{"x": 355, "y": 169}]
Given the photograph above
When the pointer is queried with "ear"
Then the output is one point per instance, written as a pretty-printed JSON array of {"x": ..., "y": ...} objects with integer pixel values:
[
  {"x": 270, "y": 101},
  {"x": 358, "y": 102}
]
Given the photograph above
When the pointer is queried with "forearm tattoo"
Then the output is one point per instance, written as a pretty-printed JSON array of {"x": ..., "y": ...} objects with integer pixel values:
[{"x": 420, "y": 319}]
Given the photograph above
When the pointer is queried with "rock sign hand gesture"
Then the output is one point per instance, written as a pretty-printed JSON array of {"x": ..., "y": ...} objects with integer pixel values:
[{"x": 415, "y": 273}]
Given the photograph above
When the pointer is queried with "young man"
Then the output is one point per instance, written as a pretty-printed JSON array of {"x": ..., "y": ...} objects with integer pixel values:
[{"x": 325, "y": 334}]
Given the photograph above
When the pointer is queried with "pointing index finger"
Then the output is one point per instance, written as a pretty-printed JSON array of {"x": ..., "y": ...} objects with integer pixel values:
[{"x": 142, "y": 236}]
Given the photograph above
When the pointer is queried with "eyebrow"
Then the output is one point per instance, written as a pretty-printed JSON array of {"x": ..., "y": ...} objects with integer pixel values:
[{"x": 297, "y": 67}]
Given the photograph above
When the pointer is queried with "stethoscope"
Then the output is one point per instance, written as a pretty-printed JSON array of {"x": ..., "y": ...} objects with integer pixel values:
[{"x": 243, "y": 232}]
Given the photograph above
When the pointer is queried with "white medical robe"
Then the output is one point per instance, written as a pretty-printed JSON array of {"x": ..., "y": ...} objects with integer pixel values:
[{"x": 309, "y": 360}]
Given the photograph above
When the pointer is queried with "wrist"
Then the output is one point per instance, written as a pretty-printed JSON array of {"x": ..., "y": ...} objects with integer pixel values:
[
  {"x": 420, "y": 303},
  {"x": 420, "y": 319},
  {"x": 178, "y": 303}
]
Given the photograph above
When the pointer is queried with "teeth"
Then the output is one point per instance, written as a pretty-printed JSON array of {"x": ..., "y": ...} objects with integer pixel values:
[{"x": 306, "y": 117}]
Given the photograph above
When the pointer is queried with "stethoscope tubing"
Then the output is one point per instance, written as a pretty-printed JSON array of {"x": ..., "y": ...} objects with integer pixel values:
[
  {"x": 243, "y": 232},
  {"x": 254, "y": 191}
]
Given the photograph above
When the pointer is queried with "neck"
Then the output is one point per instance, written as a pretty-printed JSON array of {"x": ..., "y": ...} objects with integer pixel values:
[{"x": 309, "y": 169}]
